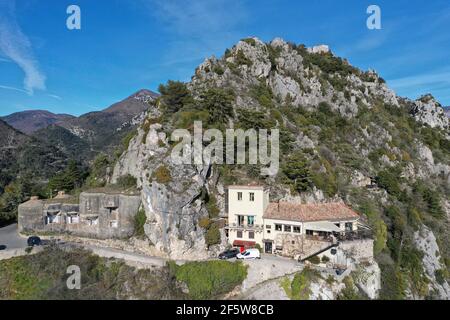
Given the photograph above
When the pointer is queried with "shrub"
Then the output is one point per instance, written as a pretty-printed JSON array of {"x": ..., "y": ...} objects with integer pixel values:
[
  {"x": 162, "y": 175},
  {"x": 218, "y": 103},
  {"x": 241, "y": 59},
  {"x": 210, "y": 279},
  {"x": 390, "y": 182},
  {"x": 297, "y": 171},
  {"x": 127, "y": 181},
  {"x": 254, "y": 120},
  {"x": 314, "y": 260},
  {"x": 300, "y": 285},
  {"x": 433, "y": 201},
  {"x": 349, "y": 292},
  {"x": 250, "y": 41},
  {"x": 212, "y": 235},
  {"x": 139, "y": 221},
  {"x": 204, "y": 222},
  {"x": 218, "y": 69},
  {"x": 211, "y": 206},
  {"x": 127, "y": 139},
  {"x": 325, "y": 259}
]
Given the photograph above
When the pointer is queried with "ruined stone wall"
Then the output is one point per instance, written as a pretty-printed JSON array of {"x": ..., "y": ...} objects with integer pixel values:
[
  {"x": 30, "y": 216},
  {"x": 113, "y": 216},
  {"x": 360, "y": 250}
]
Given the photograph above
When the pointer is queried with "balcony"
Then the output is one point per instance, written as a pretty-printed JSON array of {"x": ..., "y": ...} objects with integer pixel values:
[{"x": 235, "y": 226}]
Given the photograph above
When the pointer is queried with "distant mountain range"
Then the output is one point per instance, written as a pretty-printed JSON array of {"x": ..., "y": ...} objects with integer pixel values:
[
  {"x": 82, "y": 137},
  {"x": 33, "y": 120}
]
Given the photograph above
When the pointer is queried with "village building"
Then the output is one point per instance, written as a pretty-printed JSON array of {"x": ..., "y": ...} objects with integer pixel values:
[
  {"x": 97, "y": 214},
  {"x": 289, "y": 229}
]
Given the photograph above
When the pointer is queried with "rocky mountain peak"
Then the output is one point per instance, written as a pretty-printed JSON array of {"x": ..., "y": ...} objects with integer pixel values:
[
  {"x": 428, "y": 111},
  {"x": 145, "y": 95},
  {"x": 296, "y": 75}
]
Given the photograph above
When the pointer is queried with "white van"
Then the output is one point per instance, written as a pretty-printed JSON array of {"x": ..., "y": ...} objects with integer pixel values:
[{"x": 249, "y": 254}]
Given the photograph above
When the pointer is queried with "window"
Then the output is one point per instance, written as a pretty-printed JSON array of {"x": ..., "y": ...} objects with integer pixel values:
[
  {"x": 251, "y": 235},
  {"x": 348, "y": 226},
  {"x": 287, "y": 228},
  {"x": 241, "y": 221},
  {"x": 250, "y": 220},
  {"x": 309, "y": 232},
  {"x": 252, "y": 196},
  {"x": 268, "y": 226},
  {"x": 239, "y": 196},
  {"x": 114, "y": 224},
  {"x": 278, "y": 227},
  {"x": 296, "y": 229},
  {"x": 268, "y": 231},
  {"x": 239, "y": 235}
]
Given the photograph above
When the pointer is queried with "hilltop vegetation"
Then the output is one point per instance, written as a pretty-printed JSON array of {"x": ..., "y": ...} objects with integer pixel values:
[{"x": 343, "y": 135}]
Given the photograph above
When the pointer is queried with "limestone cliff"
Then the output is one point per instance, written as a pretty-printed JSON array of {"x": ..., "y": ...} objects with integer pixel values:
[{"x": 344, "y": 134}]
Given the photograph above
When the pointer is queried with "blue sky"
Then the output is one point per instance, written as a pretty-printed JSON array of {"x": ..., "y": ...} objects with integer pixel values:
[{"x": 127, "y": 45}]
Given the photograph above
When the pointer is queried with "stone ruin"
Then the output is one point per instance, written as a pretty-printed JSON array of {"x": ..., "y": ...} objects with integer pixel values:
[{"x": 96, "y": 215}]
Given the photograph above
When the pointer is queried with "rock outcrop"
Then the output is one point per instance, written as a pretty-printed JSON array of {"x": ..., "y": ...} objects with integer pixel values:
[{"x": 428, "y": 111}]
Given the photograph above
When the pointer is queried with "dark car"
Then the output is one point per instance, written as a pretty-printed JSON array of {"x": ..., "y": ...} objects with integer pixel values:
[
  {"x": 229, "y": 254},
  {"x": 34, "y": 241},
  {"x": 2, "y": 247}
]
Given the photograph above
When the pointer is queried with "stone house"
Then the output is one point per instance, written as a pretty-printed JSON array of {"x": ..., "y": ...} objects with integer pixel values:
[{"x": 98, "y": 215}]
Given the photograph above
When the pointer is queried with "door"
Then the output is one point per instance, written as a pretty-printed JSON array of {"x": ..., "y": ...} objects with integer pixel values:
[{"x": 268, "y": 247}]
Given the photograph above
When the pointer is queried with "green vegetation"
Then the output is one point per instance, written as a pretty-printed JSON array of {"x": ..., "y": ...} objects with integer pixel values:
[
  {"x": 297, "y": 172},
  {"x": 350, "y": 292},
  {"x": 43, "y": 276},
  {"x": 218, "y": 103},
  {"x": 162, "y": 175},
  {"x": 126, "y": 182},
  {"x": 212, "y": 235},
  {"x": 250, "y": 41},
  {"x": 139, "y": 221},
  {"x": 174, "y": 96},
  {"x": 98, "y": 171},
  {"x": 209, "y": 279},
  {"x": 314, "y": 260},
  {"x": 70, "y": 179},
  {"x": 299, "y": 288},
  {"x": 241, "y": 59},
  {"x": 389, "y": 181}
]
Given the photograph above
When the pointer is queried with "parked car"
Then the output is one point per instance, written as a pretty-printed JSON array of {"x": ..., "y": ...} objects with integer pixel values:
[
  {"x": 229, "y": 254},
  {"x": 34, "y": 241},
  {"x": 2, "y": 247},
  {"x": 249, "y": 254}
]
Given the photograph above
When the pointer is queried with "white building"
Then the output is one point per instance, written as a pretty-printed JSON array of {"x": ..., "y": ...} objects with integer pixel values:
[{"x": 283, "y": 227}]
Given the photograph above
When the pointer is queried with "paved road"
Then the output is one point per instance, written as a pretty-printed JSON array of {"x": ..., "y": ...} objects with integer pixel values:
[{"x": 10, "y": 237}]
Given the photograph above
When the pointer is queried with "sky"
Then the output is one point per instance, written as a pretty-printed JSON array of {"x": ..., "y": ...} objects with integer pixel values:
[{"x": 124, "y": 46}]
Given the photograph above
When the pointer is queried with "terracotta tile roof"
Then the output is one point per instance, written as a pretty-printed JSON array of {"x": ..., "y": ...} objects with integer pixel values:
[{"x": 335, "y": 211}]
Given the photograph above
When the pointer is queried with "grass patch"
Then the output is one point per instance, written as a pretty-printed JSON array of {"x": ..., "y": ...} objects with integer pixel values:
[{"x": 209, "y": 279}]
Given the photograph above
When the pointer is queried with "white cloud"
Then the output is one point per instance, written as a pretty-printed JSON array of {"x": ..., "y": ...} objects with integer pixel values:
[
  {"x": 15, "y": 45},
  {"x": 423, "y": 80},
  {"x": 54, "y": 96},
  {"x": 12, "y": 89},
  {"x": 436, "y": 83}
]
